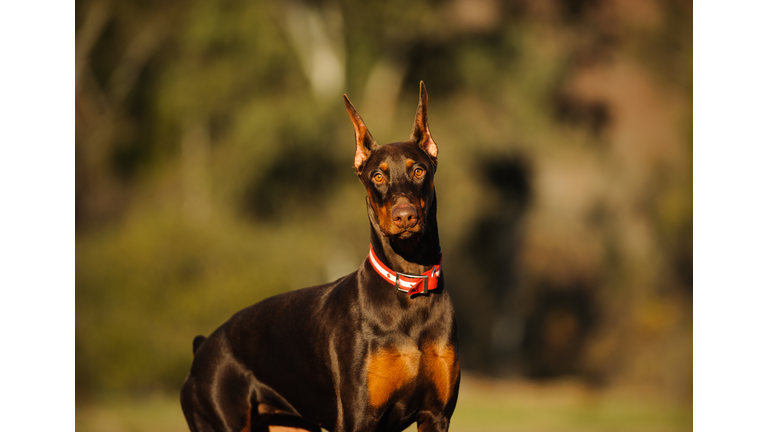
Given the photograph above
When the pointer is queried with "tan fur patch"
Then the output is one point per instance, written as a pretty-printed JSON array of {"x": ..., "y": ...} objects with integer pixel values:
[
  {"x": 285, "y": 429},
  {"x": 384, "y": 166},
  {"x": 384, "y": 219},
  {"x": 390, "y": 369},
  {"x": 442, "y": 367},
  {"x": 247, "y": 427},
  {"x": 409, "y": 163}
]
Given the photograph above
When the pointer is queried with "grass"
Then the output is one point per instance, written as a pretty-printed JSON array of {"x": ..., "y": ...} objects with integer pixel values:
[{"x": 484, "y": 406}]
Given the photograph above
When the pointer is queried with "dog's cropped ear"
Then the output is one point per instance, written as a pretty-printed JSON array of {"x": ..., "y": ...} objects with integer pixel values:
[
  {"x": 421, "y": 127},
  {"x": 365, "y": 142}
]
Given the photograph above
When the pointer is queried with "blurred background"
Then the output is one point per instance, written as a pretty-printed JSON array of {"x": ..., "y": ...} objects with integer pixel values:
[{"x": 213, "y": 151}]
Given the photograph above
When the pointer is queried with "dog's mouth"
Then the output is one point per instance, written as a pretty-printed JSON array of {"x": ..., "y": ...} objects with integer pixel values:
[
  {"x": 406, "y": 234},
  {"x": 411, "y": 232}
]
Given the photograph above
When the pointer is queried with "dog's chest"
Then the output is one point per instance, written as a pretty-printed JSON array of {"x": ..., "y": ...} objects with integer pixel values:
[{"x": 398, "y": 366}]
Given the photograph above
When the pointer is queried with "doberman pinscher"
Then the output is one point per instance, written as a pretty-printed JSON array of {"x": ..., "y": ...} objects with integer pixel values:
[{"x": 375, "y": 350}]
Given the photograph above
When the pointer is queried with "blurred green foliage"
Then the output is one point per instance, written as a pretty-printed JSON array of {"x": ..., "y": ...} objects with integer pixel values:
[{"x": 213, "y": 154}]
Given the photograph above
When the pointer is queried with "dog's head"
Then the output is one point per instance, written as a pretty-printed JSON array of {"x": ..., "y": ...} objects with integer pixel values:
[{"x": 398, "y": 176}]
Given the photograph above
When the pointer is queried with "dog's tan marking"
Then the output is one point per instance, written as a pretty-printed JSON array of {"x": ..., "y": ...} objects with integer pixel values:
[
  {"x": 442, "y": 367},
  {"x": 389, "y": 369},
  {"x": 285, "y": 429},
  {"x": 247, "y": 427},
  {"x": 384, "y": 166},
  {"x": 409, "y": 163},
  {"x": 384, "y": 215},
  {"x": 385, "y": 219}
]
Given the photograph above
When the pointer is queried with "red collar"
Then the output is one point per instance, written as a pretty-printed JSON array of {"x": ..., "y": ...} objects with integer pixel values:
[{"x": 413, "y": 284}]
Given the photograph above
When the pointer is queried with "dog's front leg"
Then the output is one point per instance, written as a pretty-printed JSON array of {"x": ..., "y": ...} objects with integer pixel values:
[{"x": 430, "y": 422}]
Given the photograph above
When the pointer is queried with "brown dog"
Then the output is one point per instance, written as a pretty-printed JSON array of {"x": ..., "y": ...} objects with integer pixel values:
[{"x": 373, "y": 351}]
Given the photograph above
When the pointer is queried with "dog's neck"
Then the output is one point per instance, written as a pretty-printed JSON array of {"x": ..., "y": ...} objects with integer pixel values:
[{"x": 414, "y": 255}]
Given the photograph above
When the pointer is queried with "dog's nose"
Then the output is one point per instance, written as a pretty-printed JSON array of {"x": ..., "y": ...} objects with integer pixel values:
[{"x": 404, "y": 216}]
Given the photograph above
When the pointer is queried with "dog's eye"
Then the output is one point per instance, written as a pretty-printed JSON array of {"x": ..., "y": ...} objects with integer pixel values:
[
  {"x": 418, "y": 172},
  {"x": 378, "y": 177}
]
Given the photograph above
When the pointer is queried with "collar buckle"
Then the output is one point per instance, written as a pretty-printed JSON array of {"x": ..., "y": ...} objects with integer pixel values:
[{"x": 424, "y": 281}]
